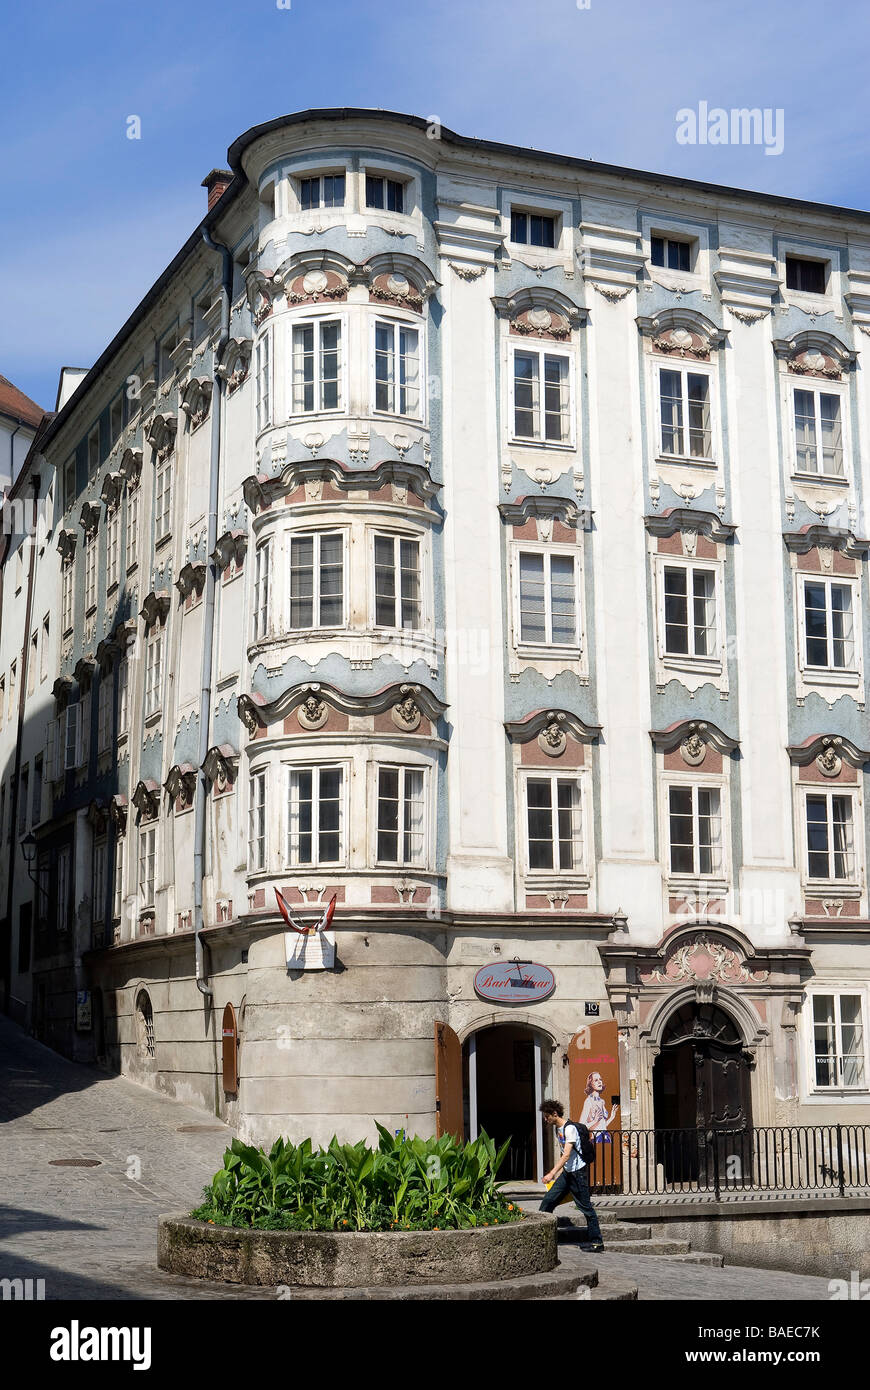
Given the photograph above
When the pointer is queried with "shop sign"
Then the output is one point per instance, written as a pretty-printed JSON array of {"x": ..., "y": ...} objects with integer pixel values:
[{"x": 514, "y": 982}]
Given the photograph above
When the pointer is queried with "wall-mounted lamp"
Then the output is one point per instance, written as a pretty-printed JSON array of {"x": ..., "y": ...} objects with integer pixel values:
[{"x": 28, "y": 849}]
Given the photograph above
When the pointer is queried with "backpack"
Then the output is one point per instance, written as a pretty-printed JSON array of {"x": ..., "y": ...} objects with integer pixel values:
[{"x": 587, "y": 1148}]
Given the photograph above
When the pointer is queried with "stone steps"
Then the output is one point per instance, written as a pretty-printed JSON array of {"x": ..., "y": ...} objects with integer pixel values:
[
  {"x": 624, "y": 1237},
  {"x": 563, "y": 1282}
]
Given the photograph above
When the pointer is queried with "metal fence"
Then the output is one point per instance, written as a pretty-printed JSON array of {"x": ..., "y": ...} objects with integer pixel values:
[{"x": 783, "y": 1158}]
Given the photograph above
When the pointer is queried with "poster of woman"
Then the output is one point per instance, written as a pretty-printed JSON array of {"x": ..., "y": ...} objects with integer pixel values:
[{"x": 595, "y": 1115}]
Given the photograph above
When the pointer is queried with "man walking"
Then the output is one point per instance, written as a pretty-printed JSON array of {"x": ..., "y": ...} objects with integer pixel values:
[{"x": 570, "y": 1174}]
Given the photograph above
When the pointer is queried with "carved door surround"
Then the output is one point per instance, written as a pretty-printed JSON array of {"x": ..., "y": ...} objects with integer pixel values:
[{"x": 709, "y": 962}]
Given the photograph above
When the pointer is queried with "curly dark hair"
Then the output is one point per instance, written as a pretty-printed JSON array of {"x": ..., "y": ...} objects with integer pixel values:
[{"x": 552, "y": 1107}]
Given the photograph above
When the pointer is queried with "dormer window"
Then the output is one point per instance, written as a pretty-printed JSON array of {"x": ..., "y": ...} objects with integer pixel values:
[
  {"x": 532, "y": 229},
  {"x": 806, "y": 276},
  {"x": 324, "y": 191},
  {"x": 670, "y": 253},
  {"x": 384, "y": 193}
]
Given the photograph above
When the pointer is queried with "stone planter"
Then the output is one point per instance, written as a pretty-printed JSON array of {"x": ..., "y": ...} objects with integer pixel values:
[{"x": 357, "y": 1259}]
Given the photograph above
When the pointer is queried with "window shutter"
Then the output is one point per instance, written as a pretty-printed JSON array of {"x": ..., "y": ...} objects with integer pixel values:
[{"x": 51, "y": 750}]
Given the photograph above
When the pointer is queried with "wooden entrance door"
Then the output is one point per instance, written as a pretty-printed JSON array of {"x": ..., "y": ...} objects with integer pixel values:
[{"x": 448, "y": 1082}]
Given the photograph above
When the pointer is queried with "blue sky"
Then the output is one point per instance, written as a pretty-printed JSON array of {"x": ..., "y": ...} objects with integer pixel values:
[{"x": 90, "y": 218}]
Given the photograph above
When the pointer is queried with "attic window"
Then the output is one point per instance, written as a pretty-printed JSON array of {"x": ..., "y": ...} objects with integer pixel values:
[
  {"x": 808, "y": 277},
  {"x": 671, "y": 254},
  {"x": 532, "y": 229}
]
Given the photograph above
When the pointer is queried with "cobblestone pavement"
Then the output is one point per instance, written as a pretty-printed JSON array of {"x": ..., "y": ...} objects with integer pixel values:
[{"x": 91, "y": 1233}]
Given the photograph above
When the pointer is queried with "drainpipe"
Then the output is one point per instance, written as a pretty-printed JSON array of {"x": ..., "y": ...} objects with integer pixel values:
[{"x": 208, "y": 609}]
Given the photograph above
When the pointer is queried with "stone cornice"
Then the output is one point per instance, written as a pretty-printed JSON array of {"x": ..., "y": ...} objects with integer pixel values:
[
  {"x": 181, "y": 781},
  {"x": 409, "y": 700},
  {"x": 191, "y": 579},
  {"x": 817, "y": 534},
  {"x": 146, "y": 798},
  {"x": 230, "y": 546},
  {"x": 666, "y": 740},
  {"x": 559, "y": 720},
  {"x": 113, "y": 485},
  {"x": 154, "y": 606},
  {"x": 687, "y": 519},
  {"x": 89, "y": 518},
  {"x": 827, "y": 748},
  {"x": 261, "y": 491},
  {"x": 66, "y": 542},
  {"x": 544, "y": 505},
  {"x": 220, "y": 762}
]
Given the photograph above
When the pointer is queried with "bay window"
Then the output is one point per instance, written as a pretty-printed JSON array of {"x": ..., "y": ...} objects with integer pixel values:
[
  {"x": 317, "y": 366},
  {"x": 317, "y": 580},
  {"x": 262, "y": 599},
  {"x": 322, "y": 191},
  {"x": 263, "y": 380},
  {"x": 397, "y": 368},
  {"x": 397, "y": 582},
  {"x": 315, "y": 822},
  {"x": 147, "y": 862},
  {"x": 401, "y": 831},
  {"x": 257, "y": 820},
  {"x": 384, "y": 193}
]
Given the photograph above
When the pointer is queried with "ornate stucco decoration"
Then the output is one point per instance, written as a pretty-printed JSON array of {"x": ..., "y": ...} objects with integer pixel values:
[
  {"x": 97, "y": 816},
  {"x": 235, "y": 362},
  {"x": 228, "y": 547},
  {"x": 113, "y": 485},
  {"x": 191, "y": 580},
  {"x": 689, "y": 521},
  {"x": 546, "y": 508},
  {"x": 66, "y": 543},
  {"x": 220, "y": 765},
  {"x": 682, "y": 332},
  {"x": 89, "y": 518},
  {"x": 180, "y": 784},
  {"x": 815, "y": 353},
  {"x": 688, "y": 733},
  {"x": 107, "y": 651},
  {"x": 161, "y": 433},
  {"x": 118, "y": 812},
  {"x": 406, "y": 712},
  {"x": 825, "y": 538},
  {"x": 828, "y": 751},
  {"x": 257, "y": 713},
  {"x": 131, "y": 466},
  {"x": 155, "y": 607},
  {"x": 124, "y": 633},
  {"x": 146, "y": 798},
  {"x": 541, "y": 312},
  {"x": 84, "y": 670},
  {"x": 196, "y": 399},
  {"x": 399, "y": 278},
  {"x": 261, "y": 492},
  {"x": 261, "y": 288},
  {"x": 312, "y": 713},
  {"x": 61, "y": 690},
  {"x": 467, "y": 272},
  {"x": 551, "y": 728},
  {"x": 705, "y": 959}
]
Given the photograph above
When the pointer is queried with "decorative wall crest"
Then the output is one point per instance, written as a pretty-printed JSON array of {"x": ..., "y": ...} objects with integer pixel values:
[
  {"x": 230, "y": 547},
  {"x": 406, "y": 712},
  {"x": 828, "y": 752},
  {"x": 220, "y": 765},
  {"x": 682, "y": 332},
  {"x": 257, "y": 713},
  {"x": 689, "y": 731},
  {"x": 703, "y": 959},
  {"x": 815, "y": 353},
  {"x": 180, "y": 784},
  {"x": 191, "y": 580},
  {"x": 146, "y": 799},
  {"x": 196, "y": 399},
  {"x": 113, "y": 486},
  {"x": 131, "y": 466},
  {"x": 693, "y": 749},
  {"x": 161, "y": 434},
  {"x": 467, "y": 272},
  {"x": 547, "y": 725},
  {"x": 312, "y": 713},
  {"x": 155, "y": 607},
  {"x": 89, "y": 518},
  {"x": 235, "y": 362}
]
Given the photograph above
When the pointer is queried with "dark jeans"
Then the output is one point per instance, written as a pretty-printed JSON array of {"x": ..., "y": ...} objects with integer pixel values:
[{"x": 577, "y": 1184}]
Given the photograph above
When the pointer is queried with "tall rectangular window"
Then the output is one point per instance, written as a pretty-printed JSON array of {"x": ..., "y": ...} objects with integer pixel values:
[
  {"x": 317, "y": 580},
  {"x": 263, "y": 378},
  {"x": 13, "y": 688},
  {"x": 829, "y": 630},
  {"x": 23, "y": 799},
  {"x": 262, "y": 598},
  {"x": 93, "y": 450},
  {"x": 326, "y": 191},
  {"x": 553, "y": 823},
  {"x": 154, "y": 670},
  {"x": 542, "y": 397},
  {"x": 163, "y": 498},
  {"x": 830, "y": 837},
  {"x": 315, "y": 821},
  {"x": 69, "y": 483},
  {"x": 32, "y": 662},
  {"x": 37, "y": 790},
  {"x": 90, "y": 571},
  {"x": 257, "y": 820},
  {"x": 116, "y": 419},
  {"x": 397, "y": 582},
  {"x": 123, "y": 681},
  {"x": 689, "y": 610},
  {"x": 401, "y": 816},
  {"x": 147, "y": 861},
  {"x": 64, "y": 889},
  {"x": 132, "y": 527},
  {"x": 45, "y": 653},
  {"x": 695, "y": 830},
  {"x": 838, "y": 1040},
  {"x": 532, "y": 229},
  {"x": 71, "y": 738},
  {"x": 118, "y": 881},
  {"x": 397, "y": 369},
  {"x": 317, "y": 366},
  {"x": 104, "y": 712},
  {"x": 43, "y": 889},
  {"x": 684, "y": 399},
  {"x": 388, "y": 194},
  {"x": 98, "y": 902},
  {"x": 548, "y": 599},
  {"x": 818, "y": 433},
  {"x": 66, "y": 596},
  {"x": 113, "y": 547}
]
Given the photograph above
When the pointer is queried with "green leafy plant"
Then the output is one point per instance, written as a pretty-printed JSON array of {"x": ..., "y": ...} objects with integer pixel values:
[{"x": 403, "y": 1184}]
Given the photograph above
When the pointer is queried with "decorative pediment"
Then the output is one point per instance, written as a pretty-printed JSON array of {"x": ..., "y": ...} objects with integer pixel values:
[
  {"x": 62, "y": 690},
  {"x": 540, "y": 312},
  {"x": 696, "y": 955},
  {"x": 146, "y": 799},
  {"x": 191, "y": 580},
  {"x": 131, "y": 466},
  {"x": 107, "y": 650},
  {"x": 261, "y": 289},
  {"x": 235, "y": 362},
  {"x": 817, "y": 535},
  {"x": 84, "y": 670},
  {"x": 118, "y": 812},
  {"x": 89, "y": 518},
  {"x": 124, "y": 633},
  {"x": 66, "y": 543},
  {"x": 161, "y": 433},
  {"x": 155, "y": 606},
  {"x": 97, "y": 816},
  {"x": 408, "y": 704},
  {"x": 401, "y": 476},
  {"x": 220, "y": 764},
  {"x": 682, "y": 333},
  {"x": 181, "y": 784},
  {"x": 256, "y": 490},
  {"x": 551, "y": 728},
  {"x": 827, "y": 751},
  {"x": 687, "y": 519},
  {"x": 693, "y": 737},
  {"x": 543, "y": 507},
  {"x": 230, "y": 546},
  {"x": 815, "y": 353},
  {"x": 113, "y": 485},
  {"x": 401, "y": 279},
  {"x": 196, "y": 399}
]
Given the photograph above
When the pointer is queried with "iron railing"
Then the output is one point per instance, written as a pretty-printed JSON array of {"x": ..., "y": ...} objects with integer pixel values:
[{"x": 780, "y": 1158}]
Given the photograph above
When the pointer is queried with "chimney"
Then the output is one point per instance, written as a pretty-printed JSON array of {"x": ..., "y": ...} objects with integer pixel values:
[{"x": 216, "y": 182}]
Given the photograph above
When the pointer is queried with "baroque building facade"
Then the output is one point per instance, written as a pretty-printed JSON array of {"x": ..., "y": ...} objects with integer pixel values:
[{"x": 475, "y": 535}]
